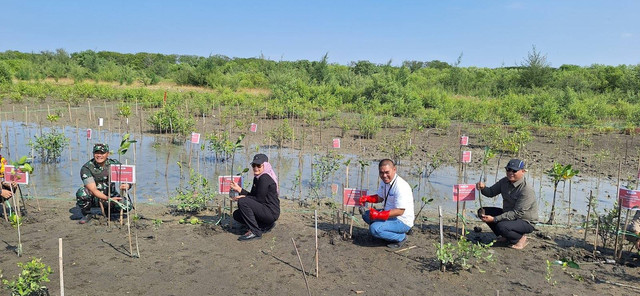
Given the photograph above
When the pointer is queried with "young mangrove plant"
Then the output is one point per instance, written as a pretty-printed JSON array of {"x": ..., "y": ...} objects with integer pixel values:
[
  {"x": 558, "y": 173},
  {"x": 49, "y": 146},
  {"x": 194, "y": 198},
  {"x": 464, "y": 254},
  {"x": 31, "y": 279}
]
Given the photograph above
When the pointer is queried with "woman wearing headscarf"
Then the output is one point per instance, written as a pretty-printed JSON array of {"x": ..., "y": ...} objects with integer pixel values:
[{"x": 259, "y": 208}]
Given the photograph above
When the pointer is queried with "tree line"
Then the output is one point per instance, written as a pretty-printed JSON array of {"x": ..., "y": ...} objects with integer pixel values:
[{"x": 432, "y": 92}]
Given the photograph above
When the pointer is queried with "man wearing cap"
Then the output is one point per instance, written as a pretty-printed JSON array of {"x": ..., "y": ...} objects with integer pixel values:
[
  {"x": 96, "y": 189},
  {"x": 259, "y": 208},
  {"x": 396, "y": 219},
  {"x": 520, "y": 208}
]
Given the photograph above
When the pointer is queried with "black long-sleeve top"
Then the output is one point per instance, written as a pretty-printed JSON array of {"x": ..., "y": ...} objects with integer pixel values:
[{"x": 265, "y": 191}]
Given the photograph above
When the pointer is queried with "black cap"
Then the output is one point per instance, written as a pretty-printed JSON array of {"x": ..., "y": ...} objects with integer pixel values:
[
  {"x": 259, "y": 159},
  {"x": 515, "y": 164}
]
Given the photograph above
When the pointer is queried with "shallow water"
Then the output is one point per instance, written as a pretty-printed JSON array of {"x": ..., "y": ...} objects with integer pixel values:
[{"x": 158, "y": 172}]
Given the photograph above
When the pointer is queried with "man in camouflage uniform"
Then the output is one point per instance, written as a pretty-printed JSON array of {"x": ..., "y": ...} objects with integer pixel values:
[{"x": 95, "y": 177}]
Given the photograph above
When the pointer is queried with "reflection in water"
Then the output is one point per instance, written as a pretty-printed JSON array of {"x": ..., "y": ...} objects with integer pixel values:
[{"x": 158, "y": 172}]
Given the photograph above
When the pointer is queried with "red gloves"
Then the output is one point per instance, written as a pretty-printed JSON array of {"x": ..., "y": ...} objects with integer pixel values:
[
  {"x": 368, "y": 198},
  {"x": 378, "y": 215}
]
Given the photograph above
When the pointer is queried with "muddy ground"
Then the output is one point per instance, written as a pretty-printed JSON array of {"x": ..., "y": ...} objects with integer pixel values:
[{"x": 206, "y": 259}]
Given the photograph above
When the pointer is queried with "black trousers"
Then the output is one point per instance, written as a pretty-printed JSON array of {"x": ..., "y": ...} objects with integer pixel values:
[
  {"x": 512, "y": 230},
  {"x": 254, "y": 214}
]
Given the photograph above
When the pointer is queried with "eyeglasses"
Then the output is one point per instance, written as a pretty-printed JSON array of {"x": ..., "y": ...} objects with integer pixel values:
[
  {"x": 511, "y": 171},
  {"x": 256, "y": 165}
]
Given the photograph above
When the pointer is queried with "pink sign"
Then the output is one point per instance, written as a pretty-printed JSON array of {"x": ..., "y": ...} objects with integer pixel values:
[
  {"x": 224, "y": 183},
  {"x": 123, "y": 173},
  {"x": 195, "y": 138},
  {"x": 464, "y": 192},
  {"x": 464, "y": 140},
  {"x": 88, "y": 134},
  {"x": 254, "y": 127},
  {"x": 336, "y": 143},
  {"x": 466, "y": 156},
  {"x": 351, "y": 197},
  {"x": 11, "y": 174},
  {"x": 629, "y": 199},
  {"x": 334, "y": 188}
]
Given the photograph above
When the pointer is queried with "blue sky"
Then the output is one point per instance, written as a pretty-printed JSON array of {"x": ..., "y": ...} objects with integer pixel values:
[{"x": 487, "y": 33}]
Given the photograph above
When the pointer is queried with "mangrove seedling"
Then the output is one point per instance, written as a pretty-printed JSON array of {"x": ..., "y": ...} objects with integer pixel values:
[
  {"x": 31, "y": 279},
  {"x": 558, "y": 173}
]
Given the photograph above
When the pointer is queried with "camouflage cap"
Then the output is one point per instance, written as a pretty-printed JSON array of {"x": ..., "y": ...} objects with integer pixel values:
[{"x": 100, "y": 148}]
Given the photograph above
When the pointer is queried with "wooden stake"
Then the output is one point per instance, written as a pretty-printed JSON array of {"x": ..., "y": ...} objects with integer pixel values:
[
  {"x": 615, "y": 250},
  {"x": 60, "y": 264},
  {"x": 17, "y": 213},
  {"x": 586, "y": 226},
  {"x": 317, "y": 253},
  {"x": 443, "y": 268},
  {"x": 4, "y": 210},
  {"x": 626, "y": 225},
  {"x": 301, "y": 266},
  {"x": 595, "y": 238},
  {"x": 124, "y": 193},
  {"x": 569, "y": 212}
]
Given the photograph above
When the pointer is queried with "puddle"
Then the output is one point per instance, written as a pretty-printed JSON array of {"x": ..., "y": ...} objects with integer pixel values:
[{"x": 158, "y": 172}]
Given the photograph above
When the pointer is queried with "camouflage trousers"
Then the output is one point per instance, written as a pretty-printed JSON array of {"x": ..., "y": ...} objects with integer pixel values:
[{"x": 85, "y": 201}]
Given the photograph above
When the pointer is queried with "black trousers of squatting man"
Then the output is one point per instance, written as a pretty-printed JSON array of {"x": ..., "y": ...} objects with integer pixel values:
[
  {"x": 254, "y": 214},
  {"x": 512, "y": 230}
]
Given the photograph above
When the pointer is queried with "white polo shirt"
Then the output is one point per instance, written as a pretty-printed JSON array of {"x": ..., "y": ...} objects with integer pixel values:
[{"x": 398, "y": 195}]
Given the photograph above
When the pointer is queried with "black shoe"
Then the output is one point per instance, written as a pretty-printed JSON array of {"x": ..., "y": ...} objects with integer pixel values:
[
  {"x": 249, "y": 236},
  {"x": 397, "y": 245},
  {"x": 269, "y": 228},
  {"x": 85, "y": 219}
]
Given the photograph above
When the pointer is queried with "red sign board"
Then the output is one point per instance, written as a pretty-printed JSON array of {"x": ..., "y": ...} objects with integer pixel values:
[
  {"x": 336, "y": 143},
  {"x": 123, "y": 173},
  {"x": 224, "y": 183},
  {"x": 464, "y": 192},
  {"x": 466, "y": 156},
  {"x": 464, "y": 140},
  {"x": 351, "y": 197},
  {"x": 629, "y": 199},
  {"x": 254, "y": 127},
  {"x": 88, "y": 134},
  {"x": 195, "y": 138},
  {"x": 11, "y": 174}
]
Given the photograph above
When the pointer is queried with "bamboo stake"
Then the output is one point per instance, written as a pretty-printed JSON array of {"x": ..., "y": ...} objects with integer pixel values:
[
  {"x": 124, "y": 193},
  {"x": 595, "y": 238},
  {"x": 317, "y": 253},
  {"x": 615, "y": 251},
  {"x": 89, "y": 102},
  {"x": 17, "y": 213},
  {"x": 569, "y": 211},
  {"x": 457, "y": 208},
  {"x": 4, "y": 210},
  {"x": 301, "y": 266},
  {"x": 586, "y": 226},
  {"x": 626, "y": 225},
  {"x": 443, "y": 268},
  {"x": 60, "y": 264}
]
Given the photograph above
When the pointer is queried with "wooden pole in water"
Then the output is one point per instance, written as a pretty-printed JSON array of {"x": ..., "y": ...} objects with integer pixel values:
[
  {"x": 586, "y": 225},
  {"x": 301, "y": 266},
  {"x": 569, "y": 211},
  {"x": 60, "y": 266},
  {"x": 615, "y": 250}
]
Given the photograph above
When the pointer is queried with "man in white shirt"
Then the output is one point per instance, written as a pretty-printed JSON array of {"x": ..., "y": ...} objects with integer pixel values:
[{"x": 396, "y": 219}]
